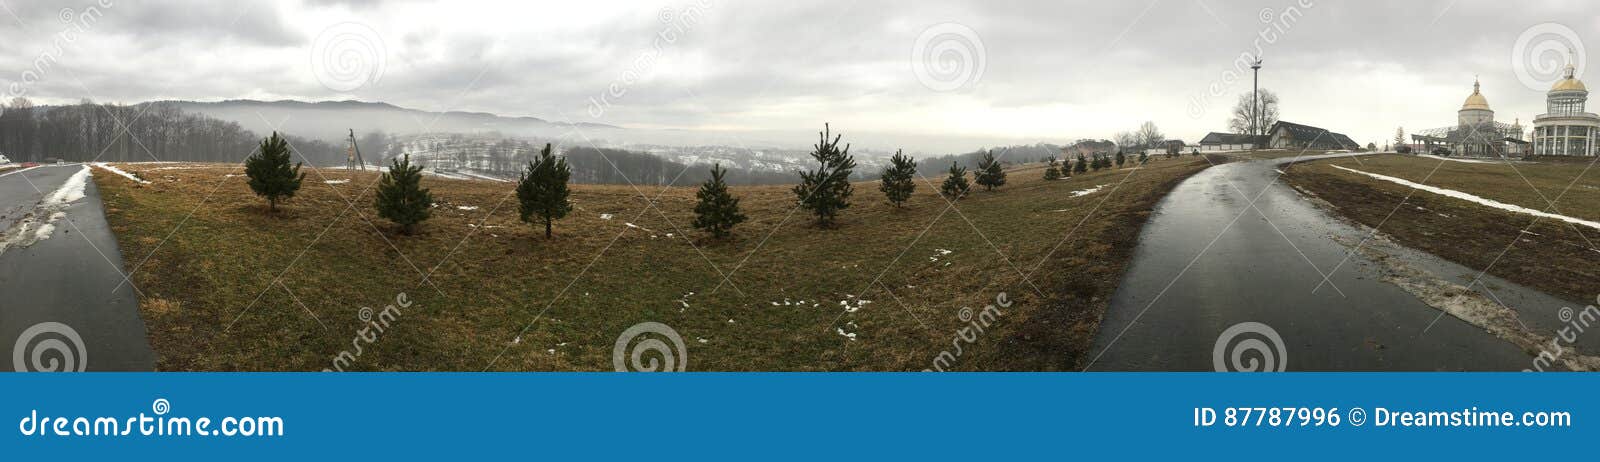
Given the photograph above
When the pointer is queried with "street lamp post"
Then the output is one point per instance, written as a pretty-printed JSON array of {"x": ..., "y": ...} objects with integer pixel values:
[{"x": 1255, "y": 98}]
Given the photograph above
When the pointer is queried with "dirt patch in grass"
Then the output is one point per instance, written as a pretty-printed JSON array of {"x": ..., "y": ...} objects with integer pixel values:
[
  {"x": 229, "y": 287},
  {"x": 1553, "y": 256}
]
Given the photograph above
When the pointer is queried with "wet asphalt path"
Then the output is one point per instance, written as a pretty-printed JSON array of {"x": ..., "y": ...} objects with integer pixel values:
[
  {"x": 1207, "y": 261},
  {"x": 65, "y": 286}
]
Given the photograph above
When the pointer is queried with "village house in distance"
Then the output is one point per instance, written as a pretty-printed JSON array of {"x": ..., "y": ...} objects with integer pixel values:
[{"x": 1282, "y": 135}]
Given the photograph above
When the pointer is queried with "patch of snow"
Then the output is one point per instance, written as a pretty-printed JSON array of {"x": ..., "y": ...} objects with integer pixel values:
[
  {"x": 193, "y": 167},
  {"x": 335, "y": 181},
  {"x": 484, "y": 177},
  {"x": 1476, "y": 199},
  {"x": 467, "y": 207},
  {"x": 13, "y": 172},
  {"x": 119, "y": 172},
  {"x": 1464, "y": 161},
  {"x": 605, "y": 216},
  {"x": 48, "y": 228},
  {"x": 29, "y": 230},
  {"x": 1085, "y": 192},
  {"x": 71, "y": 190},
  {"x": 849, "y": 335}
]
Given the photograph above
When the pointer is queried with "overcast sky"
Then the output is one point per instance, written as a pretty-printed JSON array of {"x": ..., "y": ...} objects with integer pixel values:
[{"x": 1031, "y": 71}]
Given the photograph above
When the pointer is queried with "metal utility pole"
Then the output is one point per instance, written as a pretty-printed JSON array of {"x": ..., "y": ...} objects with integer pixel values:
[
  {"x": 353, "y": 156},
  {"x": 1255, "y": 98}
]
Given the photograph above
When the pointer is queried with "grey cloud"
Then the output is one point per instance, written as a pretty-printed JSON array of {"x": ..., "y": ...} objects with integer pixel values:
[{"x": 749, "y": 57}]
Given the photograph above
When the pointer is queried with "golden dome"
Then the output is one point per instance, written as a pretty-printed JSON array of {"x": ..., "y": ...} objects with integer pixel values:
[
  {"x": 1475, "y": 100},
  {"x": 1570, "y": 83}
]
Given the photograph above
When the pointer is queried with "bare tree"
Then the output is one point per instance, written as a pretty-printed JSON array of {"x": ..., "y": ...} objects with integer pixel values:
[
  {"x": 1150, "y": 136},
  {"x": 1242, "y": 122},
  {"x": 1126, "y": 141}
]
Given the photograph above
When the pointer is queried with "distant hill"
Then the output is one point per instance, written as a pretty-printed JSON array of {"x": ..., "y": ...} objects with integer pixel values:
[{"x": 332, "y": 120}]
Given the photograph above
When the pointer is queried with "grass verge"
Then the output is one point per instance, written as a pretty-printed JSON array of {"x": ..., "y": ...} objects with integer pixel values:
[
  {"x": 1550, "y": 255},
  {"x": 228, "y": 287}
]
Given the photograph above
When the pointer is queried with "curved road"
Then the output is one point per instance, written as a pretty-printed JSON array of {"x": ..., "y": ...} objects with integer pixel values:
[
  {"x": 60, "y": 298},
  {"x": 1232, "y": 245}
]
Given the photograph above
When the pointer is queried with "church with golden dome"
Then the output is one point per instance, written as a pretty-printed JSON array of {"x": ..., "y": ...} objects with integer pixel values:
[
  {"x": 1476, "y": 133},
  {"x": 1565, "y": 129}
]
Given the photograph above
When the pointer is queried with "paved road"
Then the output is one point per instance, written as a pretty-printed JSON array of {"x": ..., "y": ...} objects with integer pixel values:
[
  {"x": 56, "y": 294},
  {"x": 1207, "y": 261}
]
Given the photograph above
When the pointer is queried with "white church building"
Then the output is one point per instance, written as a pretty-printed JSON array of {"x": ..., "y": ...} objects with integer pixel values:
[{"x": 1565, "y": 129}]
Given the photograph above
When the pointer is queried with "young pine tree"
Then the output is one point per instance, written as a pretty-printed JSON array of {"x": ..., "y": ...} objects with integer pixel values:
[
  {"x": 1053, "y": 172},
  {"x": 1143, "y": 158},
  {"x": 955, "y": 186},
  {"x": 898, "y": 180},
  {"x": 827, "y": 190},
  {"x": 542, "y": 190},
  {"x": 401, "y": 197},
  {"x": 989, "y": 174},
  {"x": 1121, "y": 159},
  {"x": 717, "y": 211},
  {"x": 1082, "y": 166},
  {"x": 270, "y": 174}
]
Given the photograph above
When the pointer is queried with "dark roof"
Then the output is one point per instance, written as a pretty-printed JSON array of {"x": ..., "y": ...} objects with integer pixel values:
[
  {"x": 1310, "y": 134},
  {"x": 1345, "y": 141},
  {"x": 1232, "y": 138}
]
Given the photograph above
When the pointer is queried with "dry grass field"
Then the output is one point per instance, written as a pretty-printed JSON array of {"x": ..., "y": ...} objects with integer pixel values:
[
  {"x": 225, "y": 286},
  {"x": 1554, "y": 256}
]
